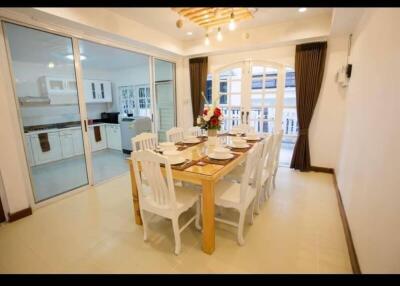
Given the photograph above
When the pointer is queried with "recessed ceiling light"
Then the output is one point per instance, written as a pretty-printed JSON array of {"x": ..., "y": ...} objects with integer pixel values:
[
  {"x": 189, "y": 33},
  {"x": 50, "y": 65},
  {"x": 71, "y": 57},
  {"x": 301, "y": 10}
]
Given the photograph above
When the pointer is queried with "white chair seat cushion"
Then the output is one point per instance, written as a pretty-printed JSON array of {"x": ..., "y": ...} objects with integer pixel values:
[
  {"x": 227, "y": 194},
  {"x": 185, "y": 198}
]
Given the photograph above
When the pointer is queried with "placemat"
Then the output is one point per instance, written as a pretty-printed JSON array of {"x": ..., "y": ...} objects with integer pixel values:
[
  {"x": 240, "y": 150},
  {"x": 180, "y": 167},
  {"x": 219, "y": 162}
]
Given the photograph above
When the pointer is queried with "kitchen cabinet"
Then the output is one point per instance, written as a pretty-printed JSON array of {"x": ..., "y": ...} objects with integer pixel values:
[
  {"x": 77, "y": 141},
  {"x": 113, "y": 136},
  {"x": 97, "y": 91},
  {"x": 53, "y": 154},
  {"x": 67, "y": 144},
  {"x": 102, "y": 144},
  {"x": 59, "y": 90},
  {"x": 28, "y": 149}
]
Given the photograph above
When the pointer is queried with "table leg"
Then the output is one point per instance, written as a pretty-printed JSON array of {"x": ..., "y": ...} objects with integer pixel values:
[
  {"x": 208, "y": 217},
  {"x": 135, "y": 196}
]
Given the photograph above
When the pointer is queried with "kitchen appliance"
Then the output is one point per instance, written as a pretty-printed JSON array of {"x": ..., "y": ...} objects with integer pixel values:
[
  {"x": 110, "y": 117},
  {"x": 131, "y": 127}
]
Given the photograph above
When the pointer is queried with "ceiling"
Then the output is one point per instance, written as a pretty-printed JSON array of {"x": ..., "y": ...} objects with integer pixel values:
[
  {"x": 30, "y": 45},
  {"x": 166, "y": 19}
]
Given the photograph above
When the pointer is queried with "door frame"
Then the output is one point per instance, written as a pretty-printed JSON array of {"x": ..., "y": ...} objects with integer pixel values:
[{"x": 28, "y": 22}]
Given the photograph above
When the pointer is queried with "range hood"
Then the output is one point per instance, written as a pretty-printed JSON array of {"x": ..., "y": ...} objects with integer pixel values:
[{"x": 34, "y": 100}]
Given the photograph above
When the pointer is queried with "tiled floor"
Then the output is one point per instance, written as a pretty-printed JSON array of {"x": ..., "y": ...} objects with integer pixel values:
[
  {"x": 50, "y": 179},
  {"x": 298, "y": 231}
]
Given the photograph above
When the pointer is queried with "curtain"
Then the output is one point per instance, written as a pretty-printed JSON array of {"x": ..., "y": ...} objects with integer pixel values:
[
  {"x": 309, "y": 69},
  {"x": 198, "y": 83}
]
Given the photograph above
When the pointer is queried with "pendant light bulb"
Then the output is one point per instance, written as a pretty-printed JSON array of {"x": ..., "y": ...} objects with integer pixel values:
[
  {"x": 207, "y": 40},
  {"x": 232, "y": 24},
  {"x": 219, "y": 34}
]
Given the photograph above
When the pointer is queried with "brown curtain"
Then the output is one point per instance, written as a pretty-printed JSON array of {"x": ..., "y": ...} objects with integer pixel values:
[
  {"x": 198, "y": 83},
  {"x": 309, "y": 69}
]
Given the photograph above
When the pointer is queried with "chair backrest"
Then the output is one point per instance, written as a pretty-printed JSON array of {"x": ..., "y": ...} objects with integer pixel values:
[
  {"x": 194, "y": 131},
  {"x": 250, "y": 170},
  {"x": 175, "y": 134},
  {"x": 265, "y": 154},
  {"x": 144, "y": 141},
  {"x": 245, "y": 128},
  {"x": 162, "y": 189},
  {"x": 277, "y": 146}
]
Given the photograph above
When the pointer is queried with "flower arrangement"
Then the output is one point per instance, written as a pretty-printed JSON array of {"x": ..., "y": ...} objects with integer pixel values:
[{"x": 212, "y": 116}]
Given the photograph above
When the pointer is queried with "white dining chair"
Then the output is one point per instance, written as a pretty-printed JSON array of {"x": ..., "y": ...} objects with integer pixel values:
[
  {"x": 194, "y": 131},
  {"x": 241, "y": 196},
  {"x": 263, "y": 173},
  {"x": 175, "y": 134},
  {"x": 277, "y": 151},
  {"x": 160, "y": 196},
  {"x": 144, "y": 141}
]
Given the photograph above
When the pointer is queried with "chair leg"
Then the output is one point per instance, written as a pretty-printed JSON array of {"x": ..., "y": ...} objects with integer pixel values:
[
  {"x": 144, "y": 225},
  {"x": 177, "y": 235},
  {"x": 252, "y": 210},
  {"x": 273, "y": 178},
  {"x": 241, "y": 226},
  {"x": 198, "y": 214}
]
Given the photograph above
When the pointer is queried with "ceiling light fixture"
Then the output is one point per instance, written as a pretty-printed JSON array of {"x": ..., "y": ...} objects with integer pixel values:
[
  {"x": 219, "y": 35},
  {"x": 189, "y": 33},
  {"x": 232, "y": 24},
  {"x": 301, "y": 10},
  {"x": 207, "y": 40},
  {"x": 51, "y": 65},
  {"x": 71, "y": 57}
]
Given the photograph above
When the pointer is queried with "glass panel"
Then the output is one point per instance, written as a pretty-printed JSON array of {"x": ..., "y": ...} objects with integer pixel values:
[
  {"x": 42, "y": 62},
  {"x": 235, "y": 100},
  {"x": 223, "y": 86},
  {"x": 119, "y": 79},
  {"x": 235, "y": 87},
  {"x": 269, "y": 99},
  {"x": 165, "y": 96},
  {"x": 209, "y": 88}
]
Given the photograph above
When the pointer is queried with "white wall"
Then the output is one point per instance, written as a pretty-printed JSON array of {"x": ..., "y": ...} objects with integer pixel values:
[{"x": 368, "y": 172}]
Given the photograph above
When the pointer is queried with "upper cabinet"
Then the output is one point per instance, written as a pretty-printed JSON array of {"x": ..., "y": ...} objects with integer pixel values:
[
  {"x": 64, "y": 91},
  {"x": 59, "y": 90},
  {"x": 97, "y": 91}
]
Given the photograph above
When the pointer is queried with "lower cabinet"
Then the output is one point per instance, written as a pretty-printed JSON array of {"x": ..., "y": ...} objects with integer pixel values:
[
  {"x": 113, "y": 136},
  {"x": 77, "y": 141},
  {"x": 53, "y": 154},
  {"x": 28, "y": 149},
  {"x": 67, "y": 144},
  {"x": 101, "y": 144}
]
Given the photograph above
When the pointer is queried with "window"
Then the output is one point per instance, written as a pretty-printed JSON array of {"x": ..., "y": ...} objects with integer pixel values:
[
  {"x": 290, "y": 80},
  {"x": 209, "y": 88}
]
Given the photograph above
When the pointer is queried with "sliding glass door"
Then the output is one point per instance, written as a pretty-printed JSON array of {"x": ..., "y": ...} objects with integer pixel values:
[
  {"x": 165, "y": 102},
  {"x": 117, "y": 94},
  {"x": 46, "y": 94}
]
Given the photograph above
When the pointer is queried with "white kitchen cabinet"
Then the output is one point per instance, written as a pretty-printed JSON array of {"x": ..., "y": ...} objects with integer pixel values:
[
  {"x": 59, "y": 90},
  {"x": 102, "y": 144},
  {"x": 113, "y": 136},
  {"x": 77, "y": 141},
  {"x": 53, "y": 154},
  {"x": 97, "y": 91},
  {"x": 28, "y": 149},
  {"x": 67, "y": 144}
]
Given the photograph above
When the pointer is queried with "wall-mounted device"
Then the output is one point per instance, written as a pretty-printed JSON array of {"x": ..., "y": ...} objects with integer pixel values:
[{"x": 344, "y": 73}]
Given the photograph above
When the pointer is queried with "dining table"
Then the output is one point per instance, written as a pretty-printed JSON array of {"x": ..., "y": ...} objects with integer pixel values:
[{"x": 203, "y": 171}]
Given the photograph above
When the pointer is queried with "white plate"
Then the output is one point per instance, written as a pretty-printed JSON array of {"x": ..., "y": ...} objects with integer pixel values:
[
  {"x": 252, "y": 139},
  {"x": 176, "y": 161},
  {"x": 194, "y": 140},
  {"x": 220, "y": 157},
  {"x": 239, "y": 146}
]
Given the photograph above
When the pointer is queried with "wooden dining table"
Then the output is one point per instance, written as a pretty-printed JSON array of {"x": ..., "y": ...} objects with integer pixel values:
[{"x": 204, "y": 174}]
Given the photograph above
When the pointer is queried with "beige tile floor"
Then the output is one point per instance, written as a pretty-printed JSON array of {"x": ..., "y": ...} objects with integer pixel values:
[{"x": 298, "y": 231}]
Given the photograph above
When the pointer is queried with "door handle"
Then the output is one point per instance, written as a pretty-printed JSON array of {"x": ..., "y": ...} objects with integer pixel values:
[
  {"x": 247, "y": 117},
  {"x": 84, "y": 121},
  {"x": 241, "y": 116}
]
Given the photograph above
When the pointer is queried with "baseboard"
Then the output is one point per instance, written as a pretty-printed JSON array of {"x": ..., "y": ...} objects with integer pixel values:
[
  {"x": 20, "y": 214},
  {"x": 349, "y": 240},
  {"x": 322, "y": 169}
]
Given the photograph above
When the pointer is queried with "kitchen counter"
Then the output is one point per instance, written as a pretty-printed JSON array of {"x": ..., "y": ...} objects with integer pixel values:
[{"x": 47, "y": 128}]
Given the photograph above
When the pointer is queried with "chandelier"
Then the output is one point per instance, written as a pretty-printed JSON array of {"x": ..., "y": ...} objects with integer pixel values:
[{"x": 210, "y": 18}]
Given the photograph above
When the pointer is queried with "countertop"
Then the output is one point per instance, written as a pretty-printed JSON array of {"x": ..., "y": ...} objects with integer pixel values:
[{"x": 48, "y": 128}]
